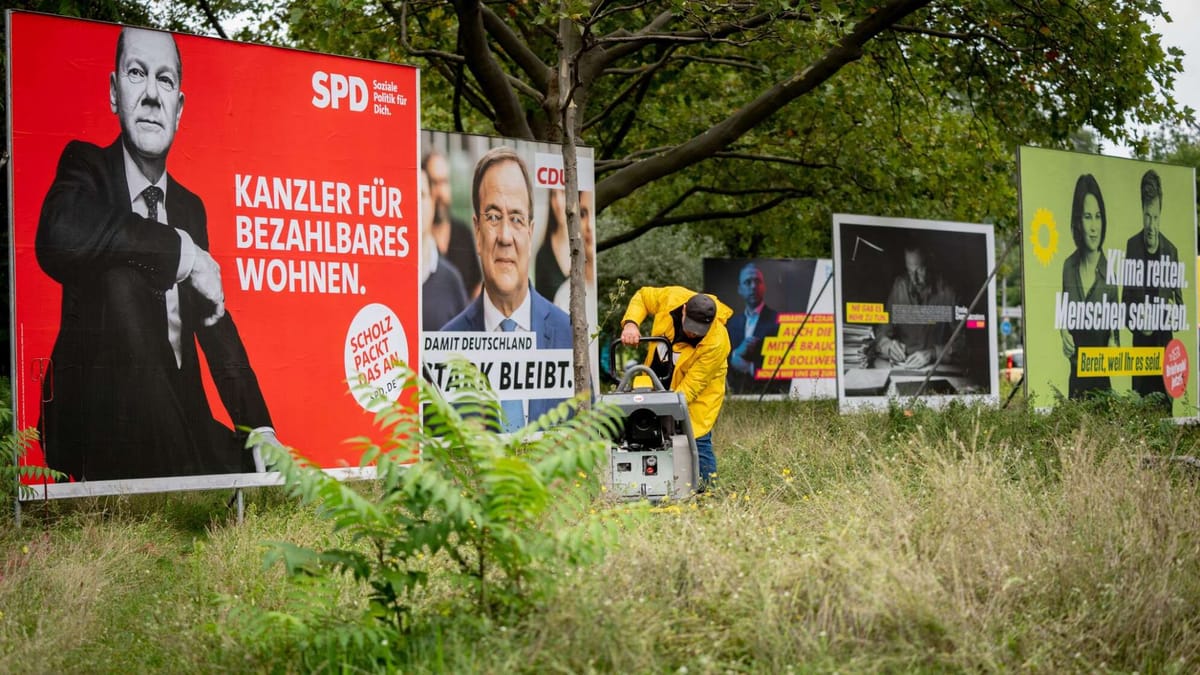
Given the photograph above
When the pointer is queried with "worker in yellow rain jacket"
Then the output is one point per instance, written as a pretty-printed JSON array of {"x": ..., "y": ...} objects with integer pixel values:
[{"x": 694, "y": 324}]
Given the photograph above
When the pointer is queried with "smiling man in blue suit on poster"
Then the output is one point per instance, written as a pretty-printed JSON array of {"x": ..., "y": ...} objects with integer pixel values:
[{"x": 502, "y": 201}]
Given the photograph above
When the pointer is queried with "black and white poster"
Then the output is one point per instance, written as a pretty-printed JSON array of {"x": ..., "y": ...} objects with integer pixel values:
[{"x": 906, "y": 325}]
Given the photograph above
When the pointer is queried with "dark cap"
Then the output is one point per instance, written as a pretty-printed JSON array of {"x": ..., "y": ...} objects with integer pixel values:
[{"x": 698, "y": 314}]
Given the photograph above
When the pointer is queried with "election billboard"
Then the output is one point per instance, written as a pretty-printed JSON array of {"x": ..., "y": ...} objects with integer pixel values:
[
  {"x": 207, "y": 238},
  {"x": 915, "y": 312},
  {"x": 496, "y": 265},
  {"x": 1109, "y": 248},
  {"x": 781, "y": 333}
]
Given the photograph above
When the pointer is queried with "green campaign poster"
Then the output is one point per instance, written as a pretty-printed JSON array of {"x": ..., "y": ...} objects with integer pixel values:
[{"x": 1109, "y": 248}]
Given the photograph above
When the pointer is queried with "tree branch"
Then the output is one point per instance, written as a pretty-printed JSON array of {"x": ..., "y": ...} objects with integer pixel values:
[
  {"x": 624, "y": 43},
  {"x": 610, "y": 145},
  {"x": 775, "y": 159},
  {"x": 510, "y": 117},
  {"x": 849, "y": 49},
  {"x": 400, "y": 17},
  {"x": 620, "y": 51},
  {"x": 599, "y": 12},
  {"x": 732, "y": 62},
  {"x": 462, "y": 88},
  {"x": 211, "y": 16},
  {"x": 525, "y": 88},
  {"x": 661, "y": 220},
  {"x": 518, "y": 51},
  {"x": 631, "y": 158},
  {"x": 646, "y": 73},
  {"x": 960, "y": 37}
]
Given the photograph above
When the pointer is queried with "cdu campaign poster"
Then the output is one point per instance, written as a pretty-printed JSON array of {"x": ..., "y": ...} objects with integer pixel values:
[
  {"x": 915, "y": 313},
  {"x": 207, "y": 238},
  {"x": 495, "y": 267},
  {"x": 781, "y": 333},
  {"x": 1109, "y": 248}
]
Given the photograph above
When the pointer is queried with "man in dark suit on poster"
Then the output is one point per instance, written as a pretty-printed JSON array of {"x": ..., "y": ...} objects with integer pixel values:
[
  {"x": 748, "y": 332},
  {"x": 1150, "y": 244},
  {"x": 129, "y": 245},
  {"x": 502, "y": 200}
]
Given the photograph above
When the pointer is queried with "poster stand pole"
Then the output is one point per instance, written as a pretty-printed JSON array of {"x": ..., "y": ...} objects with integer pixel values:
[
  {"x": 1015, "y": 389},
  {"x": 240, "y": 500},
  {"x": 963, "y": 322},
  {"x": 783, "y": 359}
]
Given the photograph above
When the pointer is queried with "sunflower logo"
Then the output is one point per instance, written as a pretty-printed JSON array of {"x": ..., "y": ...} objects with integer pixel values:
[{"x": 1043, "y": 218}]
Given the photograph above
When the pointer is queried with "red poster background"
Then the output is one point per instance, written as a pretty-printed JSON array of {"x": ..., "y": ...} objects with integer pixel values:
[{"x": 248, "y": 109}]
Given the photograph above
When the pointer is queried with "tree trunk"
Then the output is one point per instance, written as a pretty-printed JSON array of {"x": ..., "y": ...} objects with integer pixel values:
[{"x": 569, "y": 41}]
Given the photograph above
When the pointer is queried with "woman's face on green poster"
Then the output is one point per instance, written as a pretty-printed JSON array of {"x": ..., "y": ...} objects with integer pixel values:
[{"x": 1092, "y": 223}]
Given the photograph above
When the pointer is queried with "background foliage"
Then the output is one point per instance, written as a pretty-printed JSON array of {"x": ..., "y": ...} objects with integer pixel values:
[{"x": 910, "y": 108}]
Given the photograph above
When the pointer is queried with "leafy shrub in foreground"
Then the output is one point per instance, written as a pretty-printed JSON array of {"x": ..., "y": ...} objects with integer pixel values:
[
  {"x": 499, "y": 515},
  {"x": 12, "y": 448}
]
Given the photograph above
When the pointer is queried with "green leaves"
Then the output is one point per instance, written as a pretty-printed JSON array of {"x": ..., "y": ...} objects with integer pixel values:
[
  {"x": 16, "y": 480},
  {"x": 505, "y": 511},
  {"x": 920, "y": 122}
]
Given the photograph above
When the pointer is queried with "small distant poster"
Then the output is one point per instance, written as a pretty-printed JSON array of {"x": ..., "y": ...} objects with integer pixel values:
[
  {"x": 915, "y": 312},
  {"x": 781, "y": 333},
  {"x": 1108, "y": 243}
]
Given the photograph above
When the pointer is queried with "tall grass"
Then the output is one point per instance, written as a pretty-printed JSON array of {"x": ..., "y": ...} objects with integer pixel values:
[{"x": 972, "y": 539}]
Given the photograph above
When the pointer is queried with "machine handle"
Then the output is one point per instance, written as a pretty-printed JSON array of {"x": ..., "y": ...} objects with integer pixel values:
[
  {"x": 626, "y": 384},
  {"x": 626, "y": 380}
]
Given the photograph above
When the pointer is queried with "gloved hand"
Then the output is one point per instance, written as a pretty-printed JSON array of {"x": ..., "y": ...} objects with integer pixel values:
[{"x": 263, "y": 435}]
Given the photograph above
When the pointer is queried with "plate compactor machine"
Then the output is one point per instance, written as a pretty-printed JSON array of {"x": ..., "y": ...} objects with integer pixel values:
[{"x": 654, "y": 454}]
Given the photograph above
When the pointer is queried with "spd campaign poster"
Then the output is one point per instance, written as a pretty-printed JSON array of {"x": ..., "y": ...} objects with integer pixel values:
[
  {"x": 207, "y": 237},
  {"x": 906, "y": 325},
  {"x": 1109, "y": 246},
  {"x": 781, "y": 332},
  {"x": 495, "y": 268}
]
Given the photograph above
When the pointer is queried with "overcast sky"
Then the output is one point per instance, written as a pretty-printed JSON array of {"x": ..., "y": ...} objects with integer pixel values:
[
  {"x": 1185, "y": 17},
  {"x": 1182, "y": 32}
]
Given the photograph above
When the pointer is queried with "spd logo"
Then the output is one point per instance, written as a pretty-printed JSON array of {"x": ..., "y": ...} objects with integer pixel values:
[{"x": 331, "y": 90}]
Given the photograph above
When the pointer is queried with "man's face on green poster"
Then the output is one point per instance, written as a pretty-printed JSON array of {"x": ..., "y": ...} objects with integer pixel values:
[{"x": 1151, "y": 211}]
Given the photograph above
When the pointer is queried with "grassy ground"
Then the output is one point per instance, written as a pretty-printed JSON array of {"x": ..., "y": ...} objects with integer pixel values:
[{"x": 969, "y": 540}]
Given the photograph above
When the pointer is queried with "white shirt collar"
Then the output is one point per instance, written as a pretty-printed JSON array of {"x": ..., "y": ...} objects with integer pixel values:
[
  {"x": 429, "y": 256},
  {"x": 136, "y": 182},
  {"x": 492, "y": 316}
]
